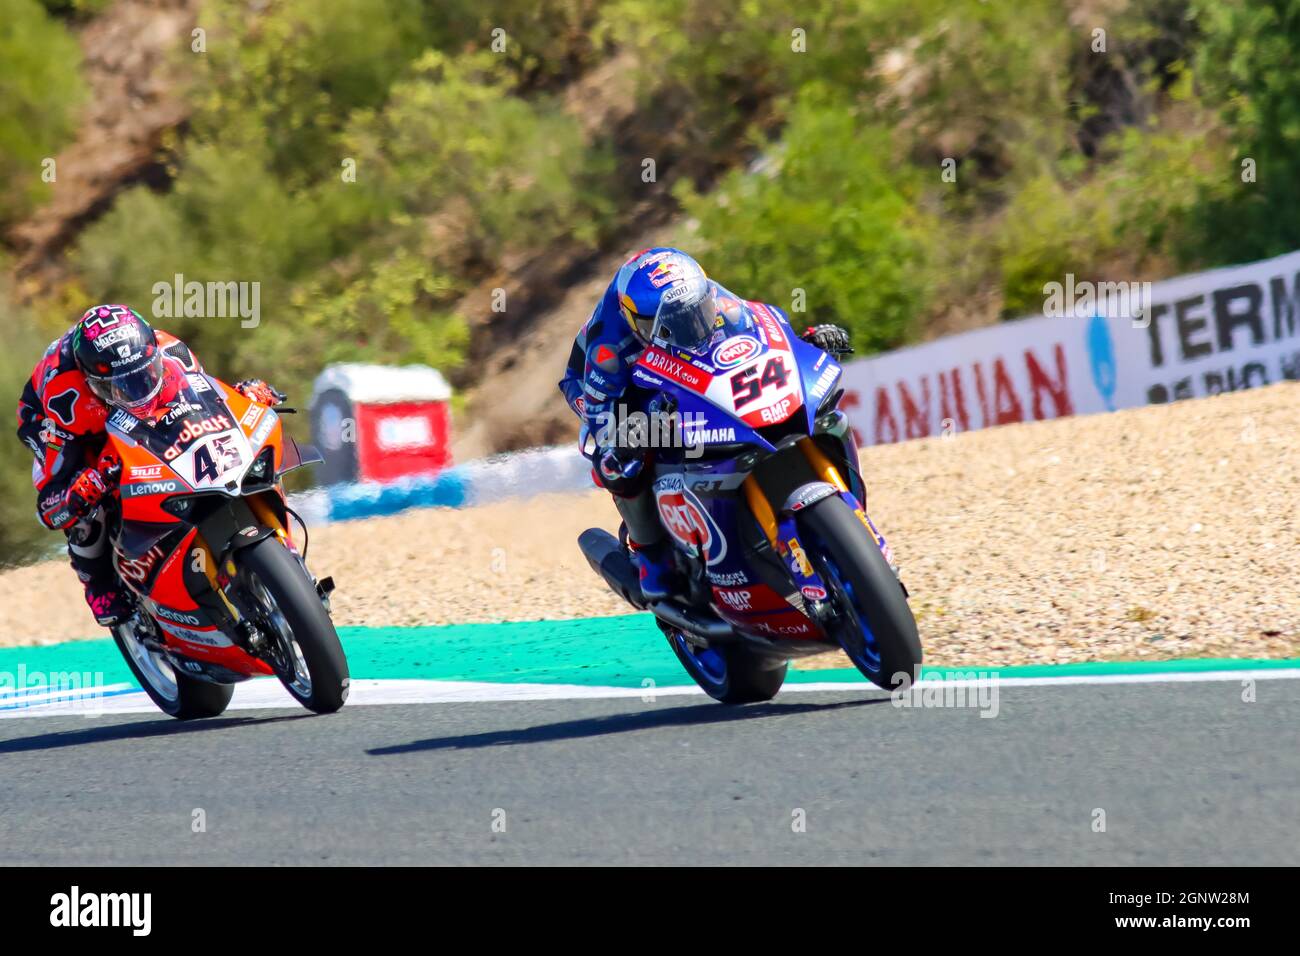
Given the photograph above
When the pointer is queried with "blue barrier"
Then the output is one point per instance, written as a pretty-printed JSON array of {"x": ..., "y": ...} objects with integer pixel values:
[{"x": 500, "y": 478}]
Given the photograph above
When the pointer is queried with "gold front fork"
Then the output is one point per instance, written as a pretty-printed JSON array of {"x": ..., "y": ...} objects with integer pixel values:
[
  {"x": 762, "y": 508},
  {"x": 821, "y": 465}
]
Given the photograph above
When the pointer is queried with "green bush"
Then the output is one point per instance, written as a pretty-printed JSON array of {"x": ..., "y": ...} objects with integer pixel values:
[
  {"x": 518, "y": 170},
  {"x": 22, "y": 536},
  {"x": 543, "y": 42},
  {"x": 1248, "y": 65},
  {"x": 833, "y": 216},
  {"x": 1137, "y": 207},
  {"x": 286, "y": 80},
  {"x": 40, "y": 92}
]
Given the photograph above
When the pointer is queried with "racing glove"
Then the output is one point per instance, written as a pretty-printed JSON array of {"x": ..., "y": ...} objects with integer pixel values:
[
  {"x": 828, "y": 338},
  {"x": 619, "y": 468},
  {"x": 84, "y": 494},
  {"x": 260, "y": 392},
  {"x": 109, "y": 467}
]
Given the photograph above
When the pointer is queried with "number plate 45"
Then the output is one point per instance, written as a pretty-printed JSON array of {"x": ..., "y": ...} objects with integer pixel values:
[{"x": 217, "y": 457}]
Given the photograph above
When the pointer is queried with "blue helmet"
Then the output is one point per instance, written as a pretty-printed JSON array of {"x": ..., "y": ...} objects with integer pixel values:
[{"x": 665, "y": 296}]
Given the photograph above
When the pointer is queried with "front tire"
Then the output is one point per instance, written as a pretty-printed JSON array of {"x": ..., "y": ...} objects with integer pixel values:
[
  {"x": 174, "y": 693},
  {"x": 311, "y": 664},
  {"x": 875, "y": 627},
  {"x": 730, "y": 673}
]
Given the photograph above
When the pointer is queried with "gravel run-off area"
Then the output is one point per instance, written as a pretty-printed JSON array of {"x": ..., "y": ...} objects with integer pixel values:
[{"x": 1145, "y": 534}]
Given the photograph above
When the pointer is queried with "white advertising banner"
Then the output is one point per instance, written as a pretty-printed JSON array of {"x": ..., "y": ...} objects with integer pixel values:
[{"x": 1188, "y": 337}]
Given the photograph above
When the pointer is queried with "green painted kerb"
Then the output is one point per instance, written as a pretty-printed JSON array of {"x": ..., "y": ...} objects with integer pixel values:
[{"x": 621, "y": 651}]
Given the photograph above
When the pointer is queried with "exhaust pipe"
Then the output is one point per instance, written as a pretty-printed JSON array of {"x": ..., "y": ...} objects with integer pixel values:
[{"x": 608, "y": 559}]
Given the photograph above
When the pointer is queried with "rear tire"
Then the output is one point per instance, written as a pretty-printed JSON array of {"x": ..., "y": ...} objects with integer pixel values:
[
  {"x": 187, "y": 698},
  {"x": 309, "y": 624},
  {"x": 877, "y": 629},
  {"x": 730, "y": 673}
]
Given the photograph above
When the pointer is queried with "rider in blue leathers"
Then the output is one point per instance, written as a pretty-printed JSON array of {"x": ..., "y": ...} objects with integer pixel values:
[{"x": 663, "y": 294}]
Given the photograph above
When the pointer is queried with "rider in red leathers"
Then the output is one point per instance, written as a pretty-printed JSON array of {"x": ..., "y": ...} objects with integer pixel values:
[{"x": 110, "y": 359}]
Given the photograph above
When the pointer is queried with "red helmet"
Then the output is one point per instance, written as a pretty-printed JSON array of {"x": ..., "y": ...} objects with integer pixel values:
[{"x": 118, "y": 353}]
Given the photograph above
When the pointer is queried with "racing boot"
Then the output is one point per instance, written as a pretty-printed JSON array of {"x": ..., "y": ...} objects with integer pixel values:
[
  {"x": 651, "y": 552},
  {"x": 110, "y": 604},
  {"x": 654, "y": 566},
  {"x": 109, "y": 599}
]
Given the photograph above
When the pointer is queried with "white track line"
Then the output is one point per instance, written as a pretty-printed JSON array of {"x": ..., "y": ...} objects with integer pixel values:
[{"x": 267, "y": 693}]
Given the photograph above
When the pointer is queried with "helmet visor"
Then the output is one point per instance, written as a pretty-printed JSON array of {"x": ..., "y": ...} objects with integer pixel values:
[
  {"x": 686, "y": 318},
  {"x": 132, "y": 389}
]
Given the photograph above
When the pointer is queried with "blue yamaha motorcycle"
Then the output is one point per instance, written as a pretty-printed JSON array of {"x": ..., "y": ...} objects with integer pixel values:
[{"x": 756, "y": 480}]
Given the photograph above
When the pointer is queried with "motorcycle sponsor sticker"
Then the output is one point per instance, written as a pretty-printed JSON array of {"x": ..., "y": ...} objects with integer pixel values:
[
  {"x": 687, "y": 520},
  {"x": 706, "y": 436},
  {"x": 770, "y": 326},
  {"x": 212, "y": 638},
  {"x": 176, "y": 411},
  {"x": 810, "y": 494},
  {"x": 196, "y": 429},
  {"x": 178, "y": 617},
  {"x": 799, "y": 562},
  {"x": 824, "y": 382},
  {"x": 709, "y": 484},
  {"x": 137, "y": 569},
  {"x": 777, "y": 412},
  {"x": 728, "y": 578},
  {"x": 802, "y": 628},
  {"x": 252, "y": 415},
  {"x": 123, "y": 421},
  {"x": 198, "y": 382},
  {"x": 263, "y": 430},
  {"x": 145, "y": 473},
  {"x": 660, "y": 362},
  {"x": 735, "y": 599},
  {"x": 813, "y": 593},
  {"x": 753, "y": 599},
  {"x": 142, "y": 489},
  {"x": 736, "y": 350},
  {"x": 876, "y": 535},
  {"x": 109, "y": 339}
]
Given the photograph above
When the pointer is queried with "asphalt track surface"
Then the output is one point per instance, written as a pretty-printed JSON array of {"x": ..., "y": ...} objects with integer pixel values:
[{"x": 1186, "y": 774}]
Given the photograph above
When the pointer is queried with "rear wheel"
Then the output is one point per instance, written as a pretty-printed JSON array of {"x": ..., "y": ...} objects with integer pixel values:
[
  {"x": 176, "y": 694},
  {"x": 731, "y": 673},
  {"x": 875, "y": 626},
  {"x": 306, "y": 654}
]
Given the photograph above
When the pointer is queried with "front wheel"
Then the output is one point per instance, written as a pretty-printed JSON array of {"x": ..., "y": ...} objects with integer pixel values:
[
  {"x": 175, "y": 694},
  {"x": 874, "y": 624},
  {"x": 731, "y": 673},
  {"x": 306, "y": 654}
]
